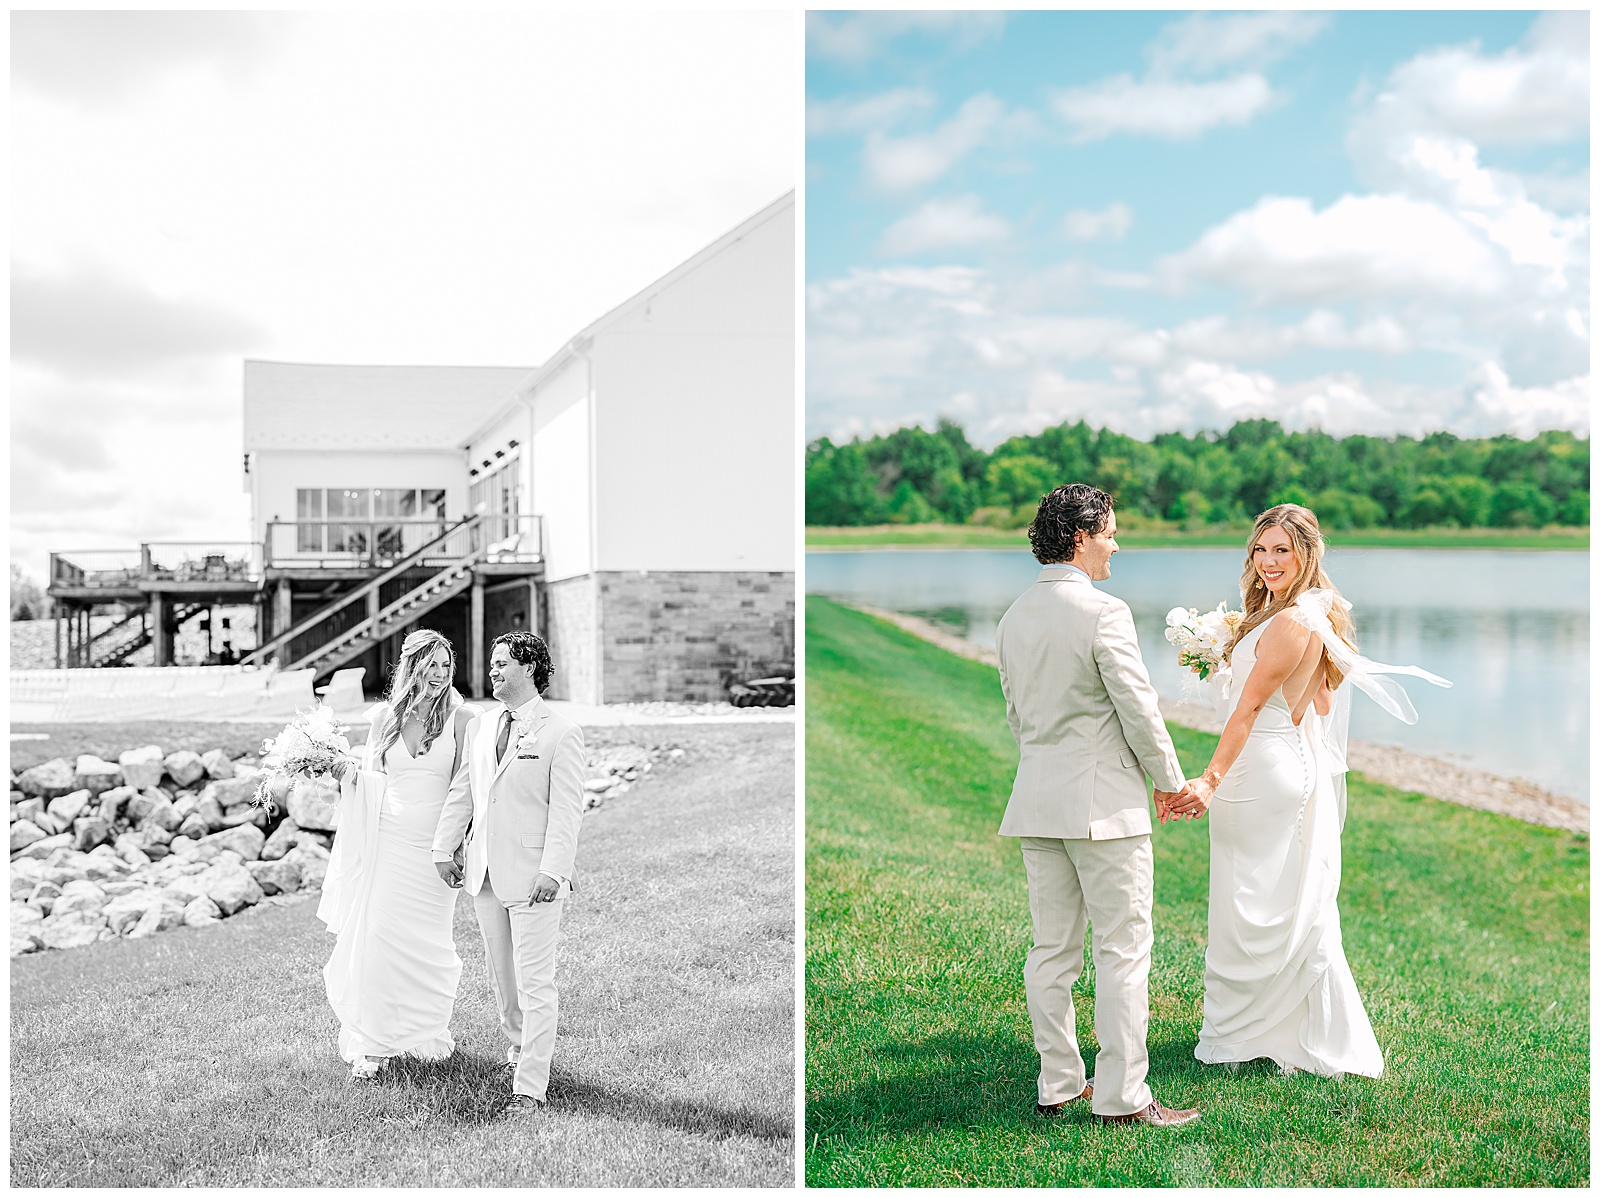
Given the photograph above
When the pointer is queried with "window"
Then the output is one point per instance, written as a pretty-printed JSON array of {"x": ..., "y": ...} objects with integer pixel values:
[
  {"x": 308, "y": 517},
  {"x": 394, "y": 521}
]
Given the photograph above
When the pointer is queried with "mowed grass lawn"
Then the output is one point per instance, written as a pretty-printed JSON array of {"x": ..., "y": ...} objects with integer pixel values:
[
  {"x": 1468, "y": 934},
  {"x": 207, "y": 1056}
]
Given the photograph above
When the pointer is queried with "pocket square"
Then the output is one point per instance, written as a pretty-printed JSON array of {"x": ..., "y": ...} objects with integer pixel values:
[{"x": 527, "y": 757}]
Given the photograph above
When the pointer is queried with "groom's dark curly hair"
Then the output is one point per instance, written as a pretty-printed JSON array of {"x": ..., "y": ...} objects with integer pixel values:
[
  {"x": 529, "y": 649},
  {"x": 1062, "y": 514}
]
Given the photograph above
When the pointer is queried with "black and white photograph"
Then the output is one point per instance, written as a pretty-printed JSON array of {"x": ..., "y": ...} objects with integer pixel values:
[{"x": 403, "y": 539}]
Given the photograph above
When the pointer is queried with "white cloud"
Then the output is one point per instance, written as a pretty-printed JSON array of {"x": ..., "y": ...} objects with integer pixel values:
[
  {"x": 943, "y": 224},
  {"x": 904, "y": 163},
  {"x": 1110, "y": 223},
  {"x": 853, "y": 38},
  {"x": 1166, "y": 108},
  {"x": 875, "y": 112},
  {"x": 1232, "y": 339},
  {"x": 1205, "y": 42},
  {"x": 1360, "y": 246},
  {"x": 1535, "y": 92}
]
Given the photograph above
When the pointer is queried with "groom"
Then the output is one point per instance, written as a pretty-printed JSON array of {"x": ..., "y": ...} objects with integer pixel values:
[
  {"x": 1084, "y": 715},
  {"x": 520, "y": 788}
]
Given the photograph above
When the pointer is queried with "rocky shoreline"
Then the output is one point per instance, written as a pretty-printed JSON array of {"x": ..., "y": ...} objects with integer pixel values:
[
  {"x": 128, "y": 848},
  {"x": 1393, "y": 766}
]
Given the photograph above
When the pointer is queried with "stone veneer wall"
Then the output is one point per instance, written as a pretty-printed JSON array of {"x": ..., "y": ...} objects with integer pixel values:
[
  {"x": 685, "y": 635},
  {"x": 569, "y": 621}
]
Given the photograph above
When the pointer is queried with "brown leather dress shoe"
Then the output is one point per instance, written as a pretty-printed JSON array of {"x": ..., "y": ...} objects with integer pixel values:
[
  {"x": 1060, "y": 1108},
  {"x": 1155, "y": 1115}
]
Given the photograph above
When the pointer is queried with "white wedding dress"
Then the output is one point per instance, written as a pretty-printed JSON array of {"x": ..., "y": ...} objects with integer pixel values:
[
  {"x": 1277, "y": 984},
  {"x": 394, "y": 970}
]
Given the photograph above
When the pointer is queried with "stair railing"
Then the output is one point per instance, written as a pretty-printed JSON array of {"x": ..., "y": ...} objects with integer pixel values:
[
  {"x": 372, "y": 626},
  {"x": 263, "y": 652}
]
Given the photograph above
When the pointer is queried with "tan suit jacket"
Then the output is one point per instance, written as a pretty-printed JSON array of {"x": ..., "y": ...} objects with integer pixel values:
[
  {"x": 1083, "y": 713},
  {"x": 524, "y": 812}
]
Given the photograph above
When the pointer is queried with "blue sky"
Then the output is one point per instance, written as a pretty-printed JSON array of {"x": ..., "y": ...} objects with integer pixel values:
[{"x": 1363, "y": 221}]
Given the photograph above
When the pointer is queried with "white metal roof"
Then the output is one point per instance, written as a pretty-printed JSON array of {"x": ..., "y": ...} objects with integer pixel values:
[{"x": 299, "y": 405}]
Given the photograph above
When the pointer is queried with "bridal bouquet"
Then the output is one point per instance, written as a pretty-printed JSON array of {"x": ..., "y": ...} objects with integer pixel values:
[
  {"x": 312, "y": 745},
  {"x": 1202, "y": 639}
]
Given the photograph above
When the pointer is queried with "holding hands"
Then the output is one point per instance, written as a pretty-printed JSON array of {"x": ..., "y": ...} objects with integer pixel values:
[{"x": 1189, "y": 803}]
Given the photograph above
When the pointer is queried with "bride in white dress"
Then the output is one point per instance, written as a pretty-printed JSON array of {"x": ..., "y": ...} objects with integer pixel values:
[
  {"x": 1277, "y": 984},
  {"x": 393, "y": 974}
]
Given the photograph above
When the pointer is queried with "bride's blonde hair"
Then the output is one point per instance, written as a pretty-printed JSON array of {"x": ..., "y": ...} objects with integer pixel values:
[
  {"x": 407, "y": 697},
  {"x": 1305, "y": 536}
]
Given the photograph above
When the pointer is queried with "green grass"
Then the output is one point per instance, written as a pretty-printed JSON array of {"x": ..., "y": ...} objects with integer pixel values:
[
  {"x": 1467, "y": 932},
  {"x": 969, "y": 536},
  {"x": 207, "y": 1056}
]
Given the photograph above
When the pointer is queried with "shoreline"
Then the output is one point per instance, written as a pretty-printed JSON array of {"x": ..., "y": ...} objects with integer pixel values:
[{"x": 1443, "y": 781}]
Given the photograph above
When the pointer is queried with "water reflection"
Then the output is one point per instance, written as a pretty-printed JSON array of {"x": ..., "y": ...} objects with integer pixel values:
[{"x": 1510, "y": 629}]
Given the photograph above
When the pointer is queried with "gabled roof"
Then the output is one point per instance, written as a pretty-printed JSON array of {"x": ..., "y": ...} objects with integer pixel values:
[
  {"x": 300, "y": 405},
  {"x": 565, "y": 354}
]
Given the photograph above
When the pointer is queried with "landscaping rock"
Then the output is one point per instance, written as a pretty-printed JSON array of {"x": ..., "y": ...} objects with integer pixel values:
[
  {"x": 48, "y": 781},
  {"x": 314, "y": 805},
  {"x": 231, "y": 888},
  {"x": 49, "y": 824},
  {"x": 230, "y": 792},
  {"x": 246, "y": 840},
  {"x": 200, "y": 911},
  {"x": 130, "y": 850},
  {"x": 162, "y": 813},
  {"x": 103, "y": 865},
  {"x": 281, "y": 841},
  {"x": 43, "y": 848},
  {"x": 42, "y": 896},
  {"x": 246, "y": 815},
  {"x": 79, "y": 896},
  {"x": 69, "y": 807},
  {"x": 210, "y": 811},
  {"x": 276, "y": 877},
  {"x": 312, "y": 861},
  {"x": 95, "y": 775},
  {"x": 185, "y": 802},
  {"x": 142, "y": 768},
  {"x": 185, "y": 766},
  {"x": 90, "y": 832},
  {"x": 24, "y": 916},
  {"x": 114, "y": 800},
  {"x": 25, "y": 832},
  {"x": 72, "y": 930},
  {"x": 193, "y": 827},
  {"x": 154, "y": 833},
  {"x": 27, "y": 809},
  {"x": 185, "y": 890},
  {"x": 125, "y": 913},
  {"x": 218, "y": 764}
]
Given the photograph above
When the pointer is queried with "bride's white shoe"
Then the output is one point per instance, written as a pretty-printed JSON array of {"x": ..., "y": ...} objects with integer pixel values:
[{"x": 368, "y": 1067}]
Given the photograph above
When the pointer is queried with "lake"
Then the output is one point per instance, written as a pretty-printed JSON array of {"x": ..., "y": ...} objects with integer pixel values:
[{"x": 1509, "y": 627}]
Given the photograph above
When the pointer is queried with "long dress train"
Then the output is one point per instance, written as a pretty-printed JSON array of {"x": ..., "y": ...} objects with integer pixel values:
[
  {"x": 394, "y": 970},
  {"x": 1277, "y": 981}
]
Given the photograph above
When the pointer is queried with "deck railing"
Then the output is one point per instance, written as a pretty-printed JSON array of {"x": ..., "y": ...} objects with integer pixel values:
[
  {"x": 97, "y": 568},
  {"x": 373, "y": 544},
  {"x": 203, "y": 561}
]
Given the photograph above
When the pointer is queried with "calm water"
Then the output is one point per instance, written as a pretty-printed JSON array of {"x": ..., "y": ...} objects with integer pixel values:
[{"x": 1509, "y": 628}]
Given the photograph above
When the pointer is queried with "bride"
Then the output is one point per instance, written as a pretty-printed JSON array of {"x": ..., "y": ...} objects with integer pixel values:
[
  {"x": 1277, "y": 983},
  {"x": 392, "y": 977}
]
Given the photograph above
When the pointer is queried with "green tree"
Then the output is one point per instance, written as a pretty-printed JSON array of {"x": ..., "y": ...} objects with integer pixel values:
[
  {"x": 840, "y": 488},
  {"x": 28, "y": 602},
  {"x": 1466, "y": 499},
  {"x": 1019, "y": 479},
  {"x": 1520, "y": 505},
  {"x": 1426, "y": 507},
  {"x": 907, "y": 505},
  {"x": 1292, "y": 493},
  {"x": 1345, "y": 509},
  {"x": 1575, "y": 509}
]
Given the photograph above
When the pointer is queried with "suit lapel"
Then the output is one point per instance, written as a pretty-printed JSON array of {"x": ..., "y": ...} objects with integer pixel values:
[{"x": 534, "y": 724}]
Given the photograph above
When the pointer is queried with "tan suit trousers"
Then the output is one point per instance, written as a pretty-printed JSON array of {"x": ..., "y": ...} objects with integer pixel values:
[
  {"x": 519, "y": 940},
  {"x": 1108, "y": 885}
]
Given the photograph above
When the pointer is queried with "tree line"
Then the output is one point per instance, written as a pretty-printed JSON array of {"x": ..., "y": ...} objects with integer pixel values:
[{"x": 914, "y": 476}]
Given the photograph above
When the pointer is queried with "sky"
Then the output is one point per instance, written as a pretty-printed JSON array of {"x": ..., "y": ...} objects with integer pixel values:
[
  {"x": 190, "y": 189},
  {"x": 1365, "y": 222}
]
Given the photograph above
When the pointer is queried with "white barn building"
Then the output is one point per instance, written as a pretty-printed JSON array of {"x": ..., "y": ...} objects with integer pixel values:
[{"x": 632, "y": 499}]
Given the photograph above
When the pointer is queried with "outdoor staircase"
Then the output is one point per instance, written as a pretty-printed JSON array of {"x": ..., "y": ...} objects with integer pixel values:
[
  {"x": 395, "y": 599},
  {"x": 114, "y": 645}
]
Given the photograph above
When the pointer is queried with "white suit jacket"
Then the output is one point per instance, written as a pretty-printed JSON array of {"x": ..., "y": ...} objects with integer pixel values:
[
  {"x": 524, "y": 812},
  {"x": 1083, "y": 712}
]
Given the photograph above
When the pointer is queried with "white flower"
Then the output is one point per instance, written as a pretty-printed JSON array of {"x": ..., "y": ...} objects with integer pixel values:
[{"x": 1177, "y": 616}]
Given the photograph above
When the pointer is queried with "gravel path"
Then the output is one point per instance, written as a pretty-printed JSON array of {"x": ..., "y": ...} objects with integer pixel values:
[{"x": 1383, "y": 763}]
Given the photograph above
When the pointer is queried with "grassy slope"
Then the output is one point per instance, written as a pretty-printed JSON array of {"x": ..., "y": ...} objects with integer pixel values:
[
  {"x": 207, "y": 1056},
  {"x": 1467, "y": 932},
  {"x": 955, "y": 536}
]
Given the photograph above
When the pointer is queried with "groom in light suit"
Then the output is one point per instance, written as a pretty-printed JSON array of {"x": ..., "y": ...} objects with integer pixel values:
[
  {"x": 520, "y": 788},
  {"x": 1084, "y": 715}
]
